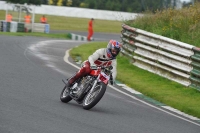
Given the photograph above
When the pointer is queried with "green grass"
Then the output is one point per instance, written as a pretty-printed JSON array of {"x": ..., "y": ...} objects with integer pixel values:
[
  {"x": 159, "y": 88},
  {"x": 74, "y": 24},
  {"x": 182, "y": 25},
  {"x": 67, "y": 23}
]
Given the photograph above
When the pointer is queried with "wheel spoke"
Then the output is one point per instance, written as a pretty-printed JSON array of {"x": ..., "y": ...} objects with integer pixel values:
[
  {"x": 91, "y": 96},
  {"x": 65, "y": 93}
]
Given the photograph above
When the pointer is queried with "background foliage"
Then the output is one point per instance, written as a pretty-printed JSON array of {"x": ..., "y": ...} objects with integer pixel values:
[
  {"x": 182, "y": 25},
  {"x": 35, "y": 2},
  {"x": 136, "y": 6}
]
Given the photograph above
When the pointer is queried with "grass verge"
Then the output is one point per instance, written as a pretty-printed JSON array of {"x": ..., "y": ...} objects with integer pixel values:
[
  {"x": 72, "y": 23},
  {"x": 182, "y": 25},
  {"x": 154, "y": 86}
]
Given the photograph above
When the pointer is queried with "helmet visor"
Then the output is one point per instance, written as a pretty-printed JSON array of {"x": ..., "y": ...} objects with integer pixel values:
[{"x": 114, "y": 51}]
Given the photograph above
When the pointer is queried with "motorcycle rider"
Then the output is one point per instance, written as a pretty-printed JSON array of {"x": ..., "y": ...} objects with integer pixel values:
[{"x": 101, "y": 57}]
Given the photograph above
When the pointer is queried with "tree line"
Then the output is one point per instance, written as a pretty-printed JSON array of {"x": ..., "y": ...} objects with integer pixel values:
[
  {"x": 136, "y": 6},
  {"x": 115, "y": 5}
]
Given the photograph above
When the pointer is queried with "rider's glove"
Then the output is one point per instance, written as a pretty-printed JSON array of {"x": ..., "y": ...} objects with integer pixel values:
[
  {"x": 111, "y": 80},
  {"x": 93, "y": 67}
]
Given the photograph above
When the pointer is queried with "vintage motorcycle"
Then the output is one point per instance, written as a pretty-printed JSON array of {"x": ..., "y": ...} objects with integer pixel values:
[{"x": 88, "y": 90}]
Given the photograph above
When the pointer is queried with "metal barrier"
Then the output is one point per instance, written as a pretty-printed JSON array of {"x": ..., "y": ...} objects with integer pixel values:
[
  {"x": 37, "y": 27},
  {"x": 13, "y": 26},
  {"x": 2, "y": 26},
  {"x": 195, "y": 73},
  {"x": 24, "y": 27},
  {"x": 5, "y": 26},
  {"x": 166, "y": 57},
  {"x": 78, "y": 37}
]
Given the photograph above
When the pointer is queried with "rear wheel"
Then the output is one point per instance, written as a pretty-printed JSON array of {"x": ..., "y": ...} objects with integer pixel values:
[
  {"x": 64, "y": 96},
  {"x": 94, "y": 97}
]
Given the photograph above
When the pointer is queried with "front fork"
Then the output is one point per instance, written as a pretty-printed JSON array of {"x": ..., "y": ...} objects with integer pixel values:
[{"x": 95, "y": 83}]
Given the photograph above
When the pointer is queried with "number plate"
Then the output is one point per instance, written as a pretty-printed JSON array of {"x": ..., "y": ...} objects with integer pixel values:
[{"x": 104, "y": 78}]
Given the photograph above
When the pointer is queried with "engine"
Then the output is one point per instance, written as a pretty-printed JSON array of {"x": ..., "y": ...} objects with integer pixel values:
[{"x": 81, "y": 86}]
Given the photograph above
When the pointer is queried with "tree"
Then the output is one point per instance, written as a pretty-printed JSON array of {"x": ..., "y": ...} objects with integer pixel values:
[
  {"x": 69, "y": 2},
  {"x": 108, "y": 5},
  {"x": 91, "y": 4},
  {"x": 45, "y": 2},
  {"x": 76, "y": 3},
  {"x": 34, "y": 2},
  {"x": 64, "y": 2},
  {"x": 187, "y": 4},
  {"x": 59, "y": 3},
  {"x": 53, "y": 2}
]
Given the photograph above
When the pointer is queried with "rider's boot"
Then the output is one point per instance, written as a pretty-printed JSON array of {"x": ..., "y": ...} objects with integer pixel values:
[
  {"x": 82, "y": 72},
  {"x": 73, "y": 79}
]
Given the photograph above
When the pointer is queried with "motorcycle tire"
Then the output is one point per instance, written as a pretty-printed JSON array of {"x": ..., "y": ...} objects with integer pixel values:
[
  {"x": 97, "y": 94},
  {"x": 64, "y": 96}
]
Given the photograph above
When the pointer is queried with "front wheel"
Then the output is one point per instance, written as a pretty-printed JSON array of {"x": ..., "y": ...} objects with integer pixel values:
[
  {"x": 92, "y": 98},
  {"x": 64, "y": 96}
]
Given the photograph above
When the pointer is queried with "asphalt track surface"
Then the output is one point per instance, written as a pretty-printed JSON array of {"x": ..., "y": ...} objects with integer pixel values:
[
  {"x": 31, "y": 71},
  {"x": 97, "y": 36}
]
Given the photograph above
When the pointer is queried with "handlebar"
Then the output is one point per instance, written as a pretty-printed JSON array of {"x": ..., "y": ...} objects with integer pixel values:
[{"x": 101, "y": 67}]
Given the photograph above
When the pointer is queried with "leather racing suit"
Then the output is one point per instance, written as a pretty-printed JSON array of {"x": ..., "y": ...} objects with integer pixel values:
[{"x": 98, "y": 58}]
